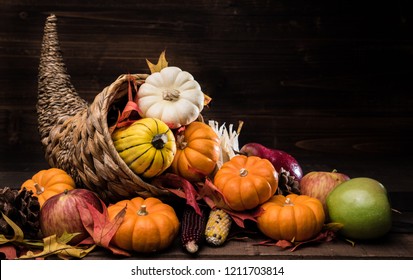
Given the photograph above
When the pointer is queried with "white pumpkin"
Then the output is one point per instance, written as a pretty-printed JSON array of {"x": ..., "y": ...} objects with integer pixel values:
[{"x": 171, "y": 95}]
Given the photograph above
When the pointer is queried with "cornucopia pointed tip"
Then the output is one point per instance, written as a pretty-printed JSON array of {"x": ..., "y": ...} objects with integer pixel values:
[{"x": 57, "y": 97}]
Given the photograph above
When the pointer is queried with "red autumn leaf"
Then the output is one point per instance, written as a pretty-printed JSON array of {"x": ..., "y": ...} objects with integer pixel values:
[
  {"x": 324, "y": 236},
  {"x": 284, "y": 244},
  {"x": 240, "y": 217},
  {"x": 130, "y": 112},
  {"x": 128, "y": 115},
  {"x": 100, "y": 228},
  {"x": 9, "y": 251},
  {"x": 212, "y": 195},
  {"x": 180, "y": 187}
]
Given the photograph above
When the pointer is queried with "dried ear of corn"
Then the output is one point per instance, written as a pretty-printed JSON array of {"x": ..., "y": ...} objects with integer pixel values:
[
  {"x": 193, "y": 228},
  {"x": 218, "y": 227}
]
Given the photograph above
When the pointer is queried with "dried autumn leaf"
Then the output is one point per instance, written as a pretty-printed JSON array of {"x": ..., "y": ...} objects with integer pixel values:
[
  {"x": 212, "y": 195},
  {"x": 180, "y": 187},
  {"x": 18, "y": 232},
  {"x": 324, "y": 236},
  {"x": 100, "y": 228},
  {"x": 207, "y": 99},
  {"x": 54, "y": 245},
  {"x": 240, "y": 217},
  {"x": 333, "y": 226},
  {"x": 162, "y": 63},
  {"x": 284, "y": 244},
  {"x": 130, "y": 112}
]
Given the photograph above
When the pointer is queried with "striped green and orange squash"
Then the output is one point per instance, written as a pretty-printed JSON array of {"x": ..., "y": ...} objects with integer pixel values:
[{"x": 147, "y": 146}]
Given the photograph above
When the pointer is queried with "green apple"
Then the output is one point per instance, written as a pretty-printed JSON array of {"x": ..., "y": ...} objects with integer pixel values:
[{"x": 362, "y": 206}]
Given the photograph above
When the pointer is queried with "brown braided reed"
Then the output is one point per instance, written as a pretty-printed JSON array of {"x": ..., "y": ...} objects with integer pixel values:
[{"x": 75, "y": 135}]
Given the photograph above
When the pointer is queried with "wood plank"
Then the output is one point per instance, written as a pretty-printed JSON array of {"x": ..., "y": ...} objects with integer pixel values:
[{"x": 395, "y": 246}]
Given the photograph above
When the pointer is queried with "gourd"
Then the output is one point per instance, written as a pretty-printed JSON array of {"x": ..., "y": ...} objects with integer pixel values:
[
  {"x": 49, "y": 182},
  {"x": 246, "y": 182},
  {"x": 292, "y": 217},
  {"x": 147, "y": 146},
  {"x": 171, "y": 95},
  {"x": 198, "y": 151},
  {"x": 149, "y": 225}
]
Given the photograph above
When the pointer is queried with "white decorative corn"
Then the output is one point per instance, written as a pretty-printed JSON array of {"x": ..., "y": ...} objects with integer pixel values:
[
  {"x": 218, "y": 226},
  {"x": 228, "y": 139}
]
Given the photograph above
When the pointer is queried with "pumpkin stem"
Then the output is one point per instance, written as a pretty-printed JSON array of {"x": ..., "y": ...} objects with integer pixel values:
[
  {"x": 170, "y": 94},
  {"x": 159, "y": 141},
  {"x": 142, "y": 211},
  {"x": 288, "y": 202},
  {"x": 243, "y": 172},
  {"x": 39, "y": 189}
]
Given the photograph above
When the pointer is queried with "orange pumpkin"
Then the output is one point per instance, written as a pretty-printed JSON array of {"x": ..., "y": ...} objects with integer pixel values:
[
  {"x": 246, "y": 182},
  {"x": 198, "y": 149},
  {"x": 49, "y": 182},
  {"x": 149, "y": 225},
  {"x": 292, "y": 217}
]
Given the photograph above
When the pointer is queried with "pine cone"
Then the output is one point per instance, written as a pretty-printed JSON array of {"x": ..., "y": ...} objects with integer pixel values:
[
  {"x": 23, "y": 209},
  {"x": 287, "y": 183}
]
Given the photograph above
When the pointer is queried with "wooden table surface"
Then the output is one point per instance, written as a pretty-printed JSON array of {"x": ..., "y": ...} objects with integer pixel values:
[{"x": 396, "y": 245}]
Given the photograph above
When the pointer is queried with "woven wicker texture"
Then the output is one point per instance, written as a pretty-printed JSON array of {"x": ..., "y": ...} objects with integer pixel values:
[{"x": 75, "y": 135}]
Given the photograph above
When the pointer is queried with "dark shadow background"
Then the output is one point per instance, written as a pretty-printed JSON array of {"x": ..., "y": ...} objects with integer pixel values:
[{"x": 330, "y": 82}]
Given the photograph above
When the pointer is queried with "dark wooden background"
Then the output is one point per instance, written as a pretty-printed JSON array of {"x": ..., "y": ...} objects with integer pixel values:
[{"x": 328, "y": 81}]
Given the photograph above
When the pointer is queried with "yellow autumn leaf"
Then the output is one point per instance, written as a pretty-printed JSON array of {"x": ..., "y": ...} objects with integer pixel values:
[
  {"x": 162, "y": 63},
  {"x": 333, "y": 226},
  {"x": 18, "y": 232},
  {"x": 207, "y": 99},
  {"x": 52, "y": 245},
  {"x": 75, "y": 252}
]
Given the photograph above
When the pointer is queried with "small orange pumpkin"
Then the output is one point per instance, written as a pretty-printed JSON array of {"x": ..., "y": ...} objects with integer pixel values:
[
  {"x": 149, "y": 225},
  {"x": 246, "y": 182},
  {"x": 292, "y": 217},
  {"x": 198, "y": 149},
  {"x": 49, "y": 182}
]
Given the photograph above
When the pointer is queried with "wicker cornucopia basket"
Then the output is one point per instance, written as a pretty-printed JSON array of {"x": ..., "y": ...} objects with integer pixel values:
[{"x": 75, "y": 134}]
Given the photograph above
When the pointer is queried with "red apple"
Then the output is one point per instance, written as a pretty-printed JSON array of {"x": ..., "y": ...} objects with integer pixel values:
[
  {"x": 60, "y": 213},
  {"x": 319, "y": 184},
  {"x": 278, "y": 158}
]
